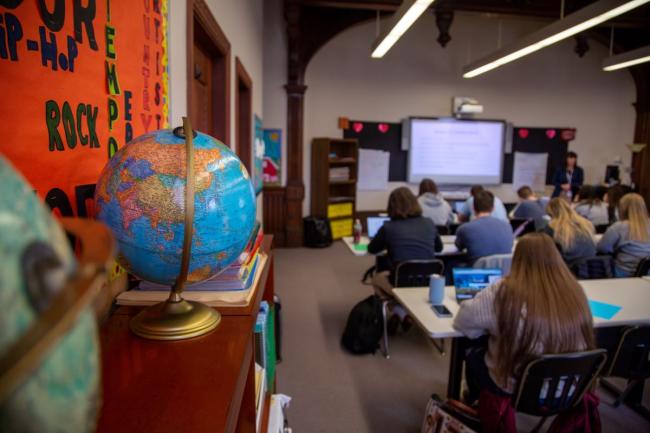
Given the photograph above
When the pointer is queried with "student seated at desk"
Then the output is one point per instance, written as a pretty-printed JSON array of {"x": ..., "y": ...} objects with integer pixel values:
[
  {"x": 467, "y": 210},
  {"x": 573, "y": 234},
  {"x": 433, "y": 205},
  {"x": 591, "y": 206},
  {"x": 629, "y": 239},
  {"x": 538, "y": 308},
  {"x": 407, "y": 236},
  {"x": 529, "y": 206},
  {"x": 485, "y": 235}
]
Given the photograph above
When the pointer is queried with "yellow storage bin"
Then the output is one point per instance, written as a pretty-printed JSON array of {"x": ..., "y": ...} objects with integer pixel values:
[
  {"x": 342, "y": 227},
  {"x": 339, "y": 210}
]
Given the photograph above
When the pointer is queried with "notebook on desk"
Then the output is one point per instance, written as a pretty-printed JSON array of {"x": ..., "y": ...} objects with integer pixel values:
[
  {"x": 374, "y": 224},
  {"x": 469, "y": 281}
]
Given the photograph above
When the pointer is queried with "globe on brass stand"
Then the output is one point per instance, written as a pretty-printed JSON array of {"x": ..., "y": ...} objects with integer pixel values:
[{"x": 176, "y": 318}]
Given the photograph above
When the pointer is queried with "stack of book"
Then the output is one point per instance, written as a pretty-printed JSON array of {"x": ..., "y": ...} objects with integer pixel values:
[
  {"x": 231, "y": 287},
  {"x": 238, "y": 276},
  {"x": 339, "y": 173}
]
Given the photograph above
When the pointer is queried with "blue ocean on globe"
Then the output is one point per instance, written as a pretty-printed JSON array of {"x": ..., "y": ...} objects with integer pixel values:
[{"x": 141, "y": 197}]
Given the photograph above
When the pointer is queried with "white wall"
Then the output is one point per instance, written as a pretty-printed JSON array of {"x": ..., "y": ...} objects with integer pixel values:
[
  {"x": 553, "y": 87},
  {"x": 242, "y": 22}
]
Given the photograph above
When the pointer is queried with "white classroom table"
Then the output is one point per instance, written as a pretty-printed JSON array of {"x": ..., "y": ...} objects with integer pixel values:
[
  {"x": 632, "y": 294},
  {"x": 448, "y": 245}
]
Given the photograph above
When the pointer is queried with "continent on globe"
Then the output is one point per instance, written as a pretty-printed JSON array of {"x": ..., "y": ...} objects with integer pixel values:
[{"x": 140, "y": 195}]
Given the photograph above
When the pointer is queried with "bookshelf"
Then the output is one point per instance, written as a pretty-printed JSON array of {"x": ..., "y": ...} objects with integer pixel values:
[
  {"x": 334, "y": 168},
  {"x": 203, "y": 384}
]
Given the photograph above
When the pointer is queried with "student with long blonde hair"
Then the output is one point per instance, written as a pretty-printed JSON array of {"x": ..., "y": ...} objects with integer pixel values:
[
  {"x": 539, "y": 308},
  {"x": 572, "y": 233},
  {"x": 628, "y": 239}
]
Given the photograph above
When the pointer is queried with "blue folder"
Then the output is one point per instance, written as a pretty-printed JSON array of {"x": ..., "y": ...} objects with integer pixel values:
[{"x": 603, "y": 310}]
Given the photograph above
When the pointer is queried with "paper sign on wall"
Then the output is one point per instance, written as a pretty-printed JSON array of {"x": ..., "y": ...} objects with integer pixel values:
[
  {"x": 79, "y": 80},
  {"x": 373, "y": 170},
  {"x": 529, "y": 169}
]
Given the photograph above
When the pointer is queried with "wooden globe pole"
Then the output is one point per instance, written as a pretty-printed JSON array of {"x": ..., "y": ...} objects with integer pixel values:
[{"x": 176, "y": 318}]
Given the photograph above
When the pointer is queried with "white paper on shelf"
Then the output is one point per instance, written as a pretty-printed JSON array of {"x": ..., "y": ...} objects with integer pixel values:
[
  {"x": 529, "y": 169},
  {"x": 373, "y": 170}
]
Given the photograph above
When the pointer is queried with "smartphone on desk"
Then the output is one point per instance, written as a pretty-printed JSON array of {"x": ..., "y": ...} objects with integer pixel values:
[{"x": 441, "y": 311}]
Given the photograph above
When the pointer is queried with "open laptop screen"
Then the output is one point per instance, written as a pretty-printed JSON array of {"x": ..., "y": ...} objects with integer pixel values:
[
  {"x": 374, "y": 223},
  {"x": 470, "y": 281}
]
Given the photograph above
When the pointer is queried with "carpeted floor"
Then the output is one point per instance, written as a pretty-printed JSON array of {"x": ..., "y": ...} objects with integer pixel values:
[{"x": 333, "y": 391}]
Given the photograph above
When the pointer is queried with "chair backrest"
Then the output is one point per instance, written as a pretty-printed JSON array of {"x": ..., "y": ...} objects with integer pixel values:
[
  {"x": 416, "y": 273},
  {"x": 593, "y": 267},
  {"x": 643, "y": 268},
  {"x": 499, "y": 261},
  {"x": 443, "y": 230},
  {"x": 452, "y": 228},
  {"x": 601, "y": 228},
  {"x": 630, "y": 360},
  {"x": 522, "y": 226},
  {"x": 551, "y": 384}
]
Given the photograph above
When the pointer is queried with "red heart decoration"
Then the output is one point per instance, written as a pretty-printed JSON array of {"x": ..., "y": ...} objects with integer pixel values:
[
  {"x": 550, "y": 133},
  {"x": 523, "y": 133},
  {"x": 383, "y": 128},
  {"x": 357, "y": 126},
  {"x": 568, "y": 134}
]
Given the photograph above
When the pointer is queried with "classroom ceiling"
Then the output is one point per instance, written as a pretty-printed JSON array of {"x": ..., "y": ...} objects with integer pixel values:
[{"x": 632, "y": 30}]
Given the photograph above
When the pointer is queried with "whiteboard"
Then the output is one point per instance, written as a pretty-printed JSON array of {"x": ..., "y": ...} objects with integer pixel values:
[{"x": 373, "y": 170}]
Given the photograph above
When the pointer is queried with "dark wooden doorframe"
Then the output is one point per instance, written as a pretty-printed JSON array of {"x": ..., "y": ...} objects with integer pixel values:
[
  {"x": 243, "y": 114},
  {"x": 200, "y": 21}
]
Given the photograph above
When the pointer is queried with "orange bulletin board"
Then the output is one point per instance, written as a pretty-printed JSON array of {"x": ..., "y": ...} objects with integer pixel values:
[{"x": 78, "y": 79}]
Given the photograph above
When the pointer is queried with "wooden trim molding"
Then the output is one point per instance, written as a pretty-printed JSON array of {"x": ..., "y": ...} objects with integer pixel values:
[
  {"x": 200, "y": 11},
  {"x": 244, "y": 114}
]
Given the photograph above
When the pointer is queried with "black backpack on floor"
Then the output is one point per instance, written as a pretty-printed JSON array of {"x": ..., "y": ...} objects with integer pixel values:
[{"x": 364, "y": 327}]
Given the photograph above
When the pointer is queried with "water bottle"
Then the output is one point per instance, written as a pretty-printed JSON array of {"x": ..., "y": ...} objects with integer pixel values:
[{"x": 357, "y": 231}]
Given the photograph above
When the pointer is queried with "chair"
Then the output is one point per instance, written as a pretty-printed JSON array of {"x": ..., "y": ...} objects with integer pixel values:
[
  {"x": 630, "y": 361},
  {"x": 522, "y": 226},
  {"x": 443, "y": 230},
  {"x": 593, "y": 267},
  {"x": 499, "y": 261},
  {"x": 552, "y": 384},
  {"x": 643, "y": 268},
  {"x": 549, "y": 385},
  {"x": 601, "y": 228},
  {"x": 410, "y": 273}
]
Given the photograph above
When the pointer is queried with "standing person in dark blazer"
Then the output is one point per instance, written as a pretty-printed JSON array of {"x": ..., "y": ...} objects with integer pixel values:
[{"x": 568, "y": 179}]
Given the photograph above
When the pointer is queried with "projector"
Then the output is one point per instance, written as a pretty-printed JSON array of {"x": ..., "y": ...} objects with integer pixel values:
[{"x": 465, "y": 105}]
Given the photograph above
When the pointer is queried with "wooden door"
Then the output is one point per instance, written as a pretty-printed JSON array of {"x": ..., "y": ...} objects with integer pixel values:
[
  {"x": 202, "y": 103},
  {"x": 208, "y": 73}
]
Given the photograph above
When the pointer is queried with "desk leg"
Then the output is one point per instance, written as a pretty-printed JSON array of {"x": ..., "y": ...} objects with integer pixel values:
[
  {"x": 633, "y": 400},
  {"x": 456, "y": 361}
]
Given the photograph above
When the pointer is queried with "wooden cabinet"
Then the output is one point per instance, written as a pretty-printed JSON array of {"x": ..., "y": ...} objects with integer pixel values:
[
  {"x": 200, "y": 385},
  {"x": 334, "y": 167}
]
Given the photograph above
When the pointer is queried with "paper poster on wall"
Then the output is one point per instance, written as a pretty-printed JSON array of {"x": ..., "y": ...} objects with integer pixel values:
[
  {"x": 77, "y": 84},
  {"x": 272, "y": 157},
  {"x": 529, "y": 169},
  {"x": 258, "y": 156},
  {"x": 373, "y": 170}
]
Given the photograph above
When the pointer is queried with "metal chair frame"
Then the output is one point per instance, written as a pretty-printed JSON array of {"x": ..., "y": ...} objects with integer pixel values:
[
  {"x": 387, "y": 302},
  {"x": 576, "y": 398}
]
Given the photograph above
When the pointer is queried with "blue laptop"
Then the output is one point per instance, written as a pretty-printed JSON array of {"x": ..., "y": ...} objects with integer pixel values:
[{"x": 470, "y": 281}]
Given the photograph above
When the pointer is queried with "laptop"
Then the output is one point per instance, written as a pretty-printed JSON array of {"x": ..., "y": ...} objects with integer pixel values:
[
  {"x": 374, "y": 224},
  {"x": 469, "y": 281}
]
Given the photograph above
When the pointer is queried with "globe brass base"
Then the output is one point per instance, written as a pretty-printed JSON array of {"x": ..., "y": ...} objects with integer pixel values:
[{"x": 175, "y": 320}]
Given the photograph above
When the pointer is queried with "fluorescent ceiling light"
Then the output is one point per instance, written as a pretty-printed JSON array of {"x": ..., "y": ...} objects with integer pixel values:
[
  {"x": 402, "y": 19},
  {"x": 573, "y": 24},
  {"x": 627, "y": 59}
]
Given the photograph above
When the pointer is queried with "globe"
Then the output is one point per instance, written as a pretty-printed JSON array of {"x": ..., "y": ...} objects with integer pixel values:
[
  {"x": 140, "y": 195},
  {"x": 35, "y": 261}
]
